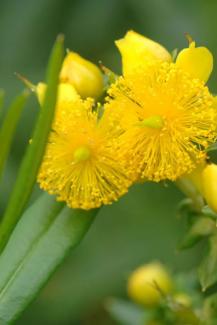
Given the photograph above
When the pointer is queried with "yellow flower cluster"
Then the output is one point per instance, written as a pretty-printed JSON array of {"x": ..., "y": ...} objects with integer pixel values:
[{"x": 158, "y": 119}]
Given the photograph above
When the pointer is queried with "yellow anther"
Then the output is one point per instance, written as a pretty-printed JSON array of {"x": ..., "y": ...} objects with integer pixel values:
[
  {"x": 81, "y": 154},
  {"x": 154, "y": 122}
]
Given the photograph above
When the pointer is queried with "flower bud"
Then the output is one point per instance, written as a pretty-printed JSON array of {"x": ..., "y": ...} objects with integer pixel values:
[
  {"x": 209, "y": 181},
  {"x": 83, "y": 75},
  {"x": 148, "y": 283}
]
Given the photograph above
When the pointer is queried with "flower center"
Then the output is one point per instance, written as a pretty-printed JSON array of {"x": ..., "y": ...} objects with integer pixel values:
[
  {"x": 154, "y": 122},
  {"x": 82, "y": 153}
]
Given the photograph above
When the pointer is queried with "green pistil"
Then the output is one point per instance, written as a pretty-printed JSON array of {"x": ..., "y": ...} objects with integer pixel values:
[
  {"x": 154, "y": 122},
  {"x": 81, "y": 154}
]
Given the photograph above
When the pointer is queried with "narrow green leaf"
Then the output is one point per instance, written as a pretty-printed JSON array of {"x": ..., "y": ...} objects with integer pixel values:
[
  {"x": 208, "y": 267},
  {"x": 202, "y": 227},
  {"x": 32, "y": 159},
  {"x": 43, "y": 237},
  {"x": 2, "y": 97},
  {"x": 8, "y": 127}
]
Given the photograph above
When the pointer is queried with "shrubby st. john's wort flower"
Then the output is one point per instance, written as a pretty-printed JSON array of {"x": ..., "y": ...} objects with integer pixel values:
[
  {"x": 82, "y": 164},
  {"x": 158, "y": 119},
  {"x": 168, "y": 118}
]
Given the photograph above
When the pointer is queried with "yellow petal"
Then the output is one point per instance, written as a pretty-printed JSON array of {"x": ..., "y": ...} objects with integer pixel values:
[
  {"x": 137, "y": 50},
  {"x": 196, "y": 177},
  {"x": 198, "y": 61},
  {"x": 66, "y": 93},
  {"x": 209, "y": 178},
  {"x": 85, "y": 76}
]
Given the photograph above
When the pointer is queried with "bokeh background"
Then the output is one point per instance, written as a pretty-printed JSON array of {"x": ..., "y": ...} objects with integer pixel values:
[{"x": 143, "y": 225}]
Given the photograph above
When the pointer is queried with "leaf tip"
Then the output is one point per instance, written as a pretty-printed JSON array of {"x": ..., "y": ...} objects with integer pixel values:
[{"x": 60, "y": 38}]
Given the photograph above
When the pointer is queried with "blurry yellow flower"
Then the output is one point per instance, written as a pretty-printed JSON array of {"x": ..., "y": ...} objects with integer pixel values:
[
  {"x": 137, "y": 50},
  {"x": 209, "y": 183},
  {"x": 149, "y": 283},
  {"x": 167, "y": 117},
  {"x": 83, "y": 75},
  {"x": 82, "y": 164}
]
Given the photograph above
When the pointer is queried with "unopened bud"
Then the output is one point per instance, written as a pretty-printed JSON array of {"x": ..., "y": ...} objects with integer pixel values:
[
  {"x": 149, "y": 283},
  {"x": 85, "y": 76}
]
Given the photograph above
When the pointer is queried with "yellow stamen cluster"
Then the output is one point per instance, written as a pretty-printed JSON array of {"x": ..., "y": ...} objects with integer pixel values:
[
  {"x": 168, "y": 120},
  {"x": 83, "y": 164}
]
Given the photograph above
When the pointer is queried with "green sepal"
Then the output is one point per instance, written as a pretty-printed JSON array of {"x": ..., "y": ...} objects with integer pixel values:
[
  {"x": 208, "y": 212},
  {"x": 202, "y": 227}
]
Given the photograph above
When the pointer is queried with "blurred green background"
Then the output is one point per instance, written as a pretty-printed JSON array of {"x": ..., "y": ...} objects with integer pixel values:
[{"x": 143, "y": 225}]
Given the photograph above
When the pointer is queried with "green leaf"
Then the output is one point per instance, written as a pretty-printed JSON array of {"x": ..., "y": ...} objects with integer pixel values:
[
  {"x": 201, "y": 228},
  {"x": 2, "y": 97},
  {"x": 125, "y": 312},
  {"x": 34, "y": 154},
  {"x": 43, "y": 237},
  {"x": 9, "y": 126},
  {"x": 208, "y": 267}
]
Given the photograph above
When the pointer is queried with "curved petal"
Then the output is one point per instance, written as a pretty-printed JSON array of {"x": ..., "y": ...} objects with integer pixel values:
[
  {"x": 137, "y": 50},
  {"x": 198, "y": 61}
]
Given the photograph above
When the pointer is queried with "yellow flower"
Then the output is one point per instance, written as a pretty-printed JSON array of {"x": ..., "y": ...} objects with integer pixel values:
[
  {"x": 167, "y": 117},
  {"x": 82, "y": 164},
  {"x": 83, "y": 75}
]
